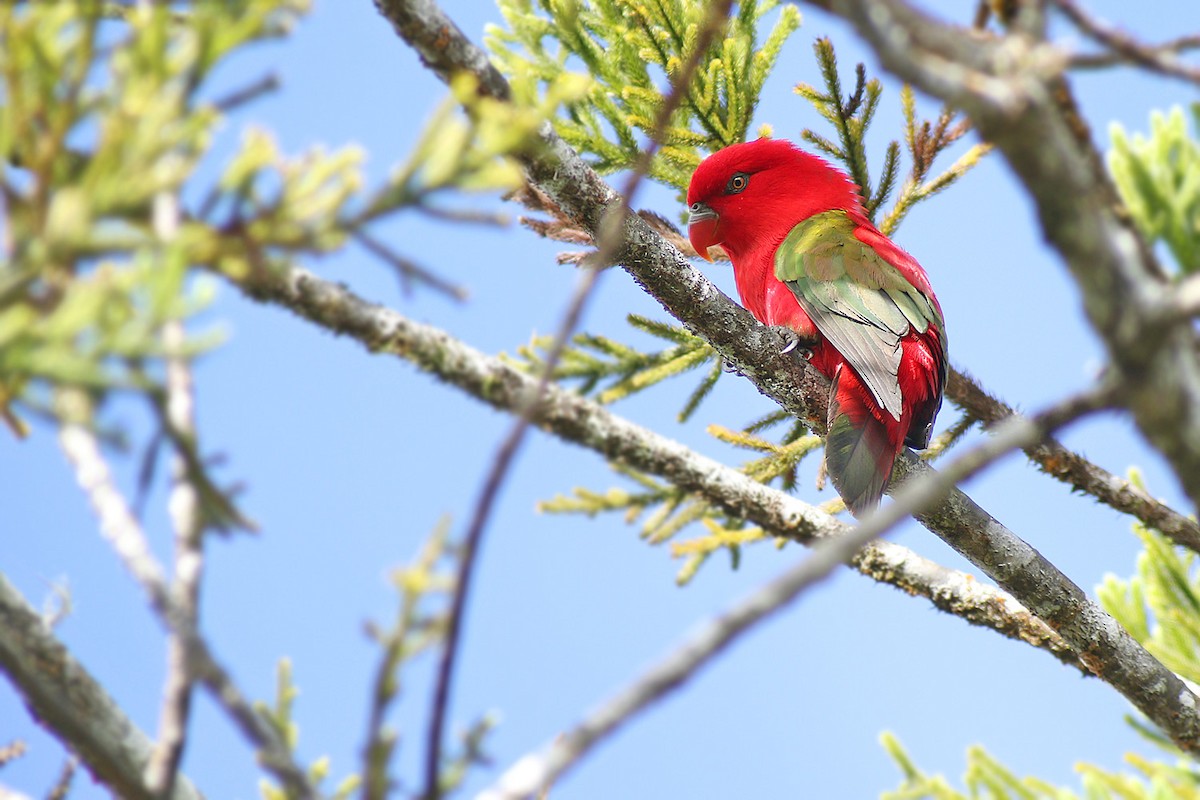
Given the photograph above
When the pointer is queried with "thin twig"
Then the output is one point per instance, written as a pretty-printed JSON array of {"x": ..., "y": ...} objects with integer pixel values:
[
  {"x": 264, "y": 85},
  {"x": 1129, "y": 49},
  {"x": 62, "y": 786},
  {"x": 184, "y": 509},
  {"x": 408, "y": 270},
  {"x": 1109, "y": 58},
  {"x": 536, "y": 772},
  {"x": 125, "y": 535},
  {"x": 12, "y": 751},
  {"x": 610, "y": 240}
]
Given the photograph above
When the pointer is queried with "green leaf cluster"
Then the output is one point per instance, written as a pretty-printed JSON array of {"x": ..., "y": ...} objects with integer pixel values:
[
  {"x": 97, "y": 119},
  {"x": 850, "y": 115},
  {"x": 279, "y": 715},
  {"x": 1158, "y": 176},
  {"x": 630, "y": 51},
  {"x": 1160, "y": 604},
  {"x": 985, "y": 777},
  {"x": 105, "y": 112}
]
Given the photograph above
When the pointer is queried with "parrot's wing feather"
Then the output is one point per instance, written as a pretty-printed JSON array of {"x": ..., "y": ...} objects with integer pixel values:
[{"x": 859, "y": 301}]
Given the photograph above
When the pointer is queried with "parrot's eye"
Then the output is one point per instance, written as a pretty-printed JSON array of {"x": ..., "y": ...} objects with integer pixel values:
[
  {"x": 737, "y": 183},
  {"x": 694, "y": 208}
]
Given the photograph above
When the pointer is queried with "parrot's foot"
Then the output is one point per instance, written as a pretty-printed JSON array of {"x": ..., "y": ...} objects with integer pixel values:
[{"x": 792, "y": 341}]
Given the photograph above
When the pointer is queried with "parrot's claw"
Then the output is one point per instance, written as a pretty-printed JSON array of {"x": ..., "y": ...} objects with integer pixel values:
[{"x": 793, "y": 340}]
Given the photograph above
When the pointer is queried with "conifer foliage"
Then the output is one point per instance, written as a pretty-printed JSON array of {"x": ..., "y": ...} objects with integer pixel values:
[{"x": 115, "y": 215}]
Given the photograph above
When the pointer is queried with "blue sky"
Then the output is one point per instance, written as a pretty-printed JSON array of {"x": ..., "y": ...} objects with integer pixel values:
[{"x": 351, "y": 459}]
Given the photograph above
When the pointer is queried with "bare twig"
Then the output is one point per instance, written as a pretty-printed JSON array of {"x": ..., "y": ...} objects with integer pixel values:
[
  {"x": 184, "y": 508},
  {"x": 12, "y": 751},
  {"x": 247, "y": 94},
  {"x": 424, "y": 27},
  {"x": 1110, "y": 58},
  {"x": 1160, "y": 59},
  {"x": 62, "y": 786},
  {"x": 535, "y": 773},
  {"x": 125, "y": 534},
  {"x": 408, "y": 271}
]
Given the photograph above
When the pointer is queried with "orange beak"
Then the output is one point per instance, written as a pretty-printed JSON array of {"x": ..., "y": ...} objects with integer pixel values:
[{"x": 703, "y": 229}]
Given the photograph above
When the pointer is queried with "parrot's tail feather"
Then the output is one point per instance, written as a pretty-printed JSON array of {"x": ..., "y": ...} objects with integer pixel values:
[{"x": 859, "y": 452}]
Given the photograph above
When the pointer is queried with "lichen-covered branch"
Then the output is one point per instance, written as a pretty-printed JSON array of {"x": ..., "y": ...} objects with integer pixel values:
[
  {"x": 583, "y": 197},
  {"x": 65, "y": 697},
  {"x": 584, "y": 422},
  {"x": 533, "y": 774},
  {"x": 1075, "y": 470}
]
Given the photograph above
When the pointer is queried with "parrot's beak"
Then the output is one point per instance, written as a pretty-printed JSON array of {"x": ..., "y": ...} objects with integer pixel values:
[{"x": 703, "y": 223}]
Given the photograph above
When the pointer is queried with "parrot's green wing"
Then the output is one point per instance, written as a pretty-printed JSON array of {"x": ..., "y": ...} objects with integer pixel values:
[{"x": 858, "y": 300}]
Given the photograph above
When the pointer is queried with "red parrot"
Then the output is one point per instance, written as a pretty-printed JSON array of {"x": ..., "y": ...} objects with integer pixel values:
[{"x": 806, "y": 257}]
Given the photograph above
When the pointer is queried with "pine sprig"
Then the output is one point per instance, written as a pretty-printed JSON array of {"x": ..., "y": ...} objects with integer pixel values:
[
  {"x": 851, "y": 114},
  {"x": 986, "y": 776},
  {"x": 614, "y": 371},
  {"x": 668, "y": 510},
  {"x": 925, "y": 141},
  {"x": 626, "y": 47}
]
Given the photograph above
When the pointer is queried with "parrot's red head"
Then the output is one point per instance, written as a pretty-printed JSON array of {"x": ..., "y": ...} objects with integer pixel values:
[{"x": 750, "y": 195}]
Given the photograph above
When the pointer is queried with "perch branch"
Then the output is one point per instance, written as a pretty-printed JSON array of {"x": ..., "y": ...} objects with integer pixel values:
[{"x": 970, "y": 75}]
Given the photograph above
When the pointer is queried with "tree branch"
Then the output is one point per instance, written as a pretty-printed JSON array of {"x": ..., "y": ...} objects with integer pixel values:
[
  {"x": 1075, "y": 470},
  {"x": 968, "y": 74},
  {"x": 66, "y": 698},
  {"x": 534, "y": 774},
  {"x": 1111, "y": 58},
  {"x": 1163, "y": 60},
  {"x": 584, "y": 422},
  {"x": 183, "y": 506}
]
